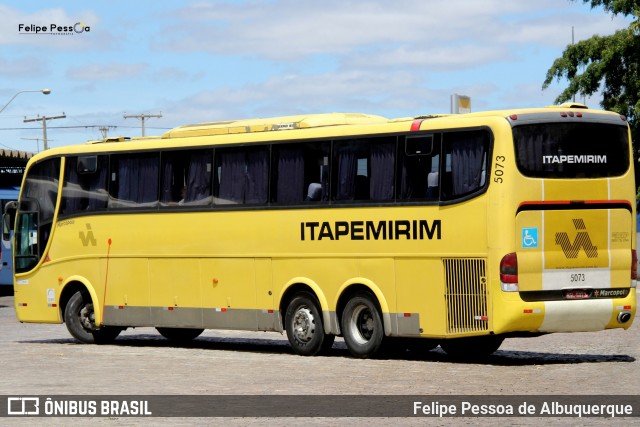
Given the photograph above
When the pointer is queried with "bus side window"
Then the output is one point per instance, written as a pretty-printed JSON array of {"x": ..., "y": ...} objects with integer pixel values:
[
  {"x": 134, "y": 181},
  {"x": 364, "y": 169},
  {"x": 242, "y": 175},
  {"x": 85, "y": 184},
  {"x": 299, "y": 173},
  {"x": 345, "y": 167},
  {"x": 419, "y": 169},
  {"x": 465, "y": 160},
  {"x": 288, "y": 176},
  {"x": 186, "y": 178}
]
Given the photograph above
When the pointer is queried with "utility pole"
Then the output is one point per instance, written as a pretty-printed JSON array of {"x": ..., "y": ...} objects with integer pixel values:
[
  {"x": 37, "y": 140},
  {"x": 142, "y": 118},
  {"x": 44, "y": 119},
  {"x": 104, "y": 130}
]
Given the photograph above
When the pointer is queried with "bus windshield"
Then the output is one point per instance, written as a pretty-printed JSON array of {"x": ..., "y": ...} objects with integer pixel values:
[
  {"x": 571, "y": 150},
  {"x": 36, "y": 209}
]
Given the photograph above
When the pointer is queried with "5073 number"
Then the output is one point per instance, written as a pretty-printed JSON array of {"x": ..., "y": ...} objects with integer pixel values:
[
  {"x": 578, "y": 277},
  {"x": 498, "y": 170}
]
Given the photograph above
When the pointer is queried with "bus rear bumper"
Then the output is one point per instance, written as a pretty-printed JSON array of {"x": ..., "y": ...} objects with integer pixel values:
[{"x": 585, "y": 315}]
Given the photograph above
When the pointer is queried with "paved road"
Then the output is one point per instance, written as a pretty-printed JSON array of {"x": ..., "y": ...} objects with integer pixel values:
[{"x": 45, "y": 360}]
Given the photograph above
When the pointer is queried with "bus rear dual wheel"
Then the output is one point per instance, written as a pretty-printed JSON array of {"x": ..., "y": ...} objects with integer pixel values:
[
  {"x": 304, "y": 325},
  {"x": 79, "y": 316},
  {"x": 362, "y": 326}
]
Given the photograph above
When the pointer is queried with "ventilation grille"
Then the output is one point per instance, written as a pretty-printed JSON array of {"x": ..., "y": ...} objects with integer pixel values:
[{"x": 466, "y": 295}]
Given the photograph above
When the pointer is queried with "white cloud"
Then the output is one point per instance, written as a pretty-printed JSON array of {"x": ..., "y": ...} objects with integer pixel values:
[
  {"x": 289, "y": 29},
  {"x": 176, "y": 74},
  {"x": 357, "y": 90},
  {"x": 106, "y": 71},
  {"x": 433, "y": 57},
  {"x": 25, "y": 67}
]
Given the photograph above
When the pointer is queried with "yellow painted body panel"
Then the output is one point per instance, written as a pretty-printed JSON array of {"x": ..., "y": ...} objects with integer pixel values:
[
  {"x": 174, "y": 283},
  {"x": 593, "y": 243}
]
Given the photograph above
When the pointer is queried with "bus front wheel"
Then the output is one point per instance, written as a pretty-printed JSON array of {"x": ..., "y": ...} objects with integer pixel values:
[
  {"x": 80, "y": 319},
  {"x": 305, "y": 330},
  {"x": 362, "y": 325}
]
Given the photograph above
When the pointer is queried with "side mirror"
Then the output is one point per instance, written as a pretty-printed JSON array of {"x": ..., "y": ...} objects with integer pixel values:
[{"x": 7, "y": 219}]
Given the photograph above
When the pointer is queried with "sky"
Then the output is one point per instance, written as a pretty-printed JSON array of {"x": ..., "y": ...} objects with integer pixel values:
[{"x": 203, "y": 61}]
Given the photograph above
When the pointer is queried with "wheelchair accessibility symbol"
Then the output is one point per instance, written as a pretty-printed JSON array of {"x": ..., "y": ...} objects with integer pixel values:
[{"x": 529, "y": 238}]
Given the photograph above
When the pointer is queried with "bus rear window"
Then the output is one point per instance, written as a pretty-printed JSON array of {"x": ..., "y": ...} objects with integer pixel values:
[{"x": 571, "y": 150}]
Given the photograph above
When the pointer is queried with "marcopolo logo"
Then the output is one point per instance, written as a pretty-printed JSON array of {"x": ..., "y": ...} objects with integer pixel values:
[
  {"x": 54, "y": 29},
  {"x": 87, "y": 238},
  {"x": 582, "y": 241}
]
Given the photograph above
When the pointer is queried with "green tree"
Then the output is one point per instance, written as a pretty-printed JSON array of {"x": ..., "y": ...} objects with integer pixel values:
[{"x": 611, "y": 62}]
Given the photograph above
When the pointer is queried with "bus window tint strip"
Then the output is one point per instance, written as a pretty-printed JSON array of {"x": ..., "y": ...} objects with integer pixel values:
[{"x": 360, "y": 170}]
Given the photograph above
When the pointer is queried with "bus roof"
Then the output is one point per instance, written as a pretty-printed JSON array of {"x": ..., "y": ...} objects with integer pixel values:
[
  {"x": 339, "y": 119},
  {"x": 273, "y": 124},
  {"x": 327, "y": 125}
]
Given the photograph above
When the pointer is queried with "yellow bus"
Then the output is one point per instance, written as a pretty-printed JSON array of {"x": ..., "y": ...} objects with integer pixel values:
[{"x": 450, "y": 230}]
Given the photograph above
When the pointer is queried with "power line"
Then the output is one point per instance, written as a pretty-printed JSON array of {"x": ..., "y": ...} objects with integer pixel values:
[
  {"x": 44, "y": 119},
  {"x": 88, "y": 126},
  {"x": 105, "y": 129},
  {"x": 142, "y": 118},
  {"x": 37, "y": 140}
]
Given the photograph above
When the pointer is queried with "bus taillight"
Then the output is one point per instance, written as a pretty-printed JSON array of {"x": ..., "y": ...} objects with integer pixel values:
[
  {"x": 634, "y": 267},
  {"x": 509, "y": 273}
]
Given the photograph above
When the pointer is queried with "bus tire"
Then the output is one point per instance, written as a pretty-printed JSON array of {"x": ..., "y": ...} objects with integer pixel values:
[
  {"x": 180, "y": 334},
  {"x": 472, "y": 347},
  {"x": 106, "y": 334},
  {"x": 305, "y": 330},
  {"x": 362, "y": 326},
  {"x": 79, "y": 317}
]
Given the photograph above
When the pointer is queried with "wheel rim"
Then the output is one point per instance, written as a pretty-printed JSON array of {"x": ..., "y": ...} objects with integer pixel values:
[
  {"x": 304, "y": 325},
  {"x": 88, "y": 317},
  {"x": 362, "y": 324}
]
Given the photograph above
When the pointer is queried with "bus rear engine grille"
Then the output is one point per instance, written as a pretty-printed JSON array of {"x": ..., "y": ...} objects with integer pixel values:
[{"x": 466, "y": 295}]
